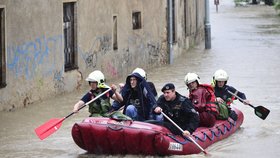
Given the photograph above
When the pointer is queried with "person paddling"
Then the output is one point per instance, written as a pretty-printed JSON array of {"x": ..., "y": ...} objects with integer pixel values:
[
  {"x": 220, "y": 79},
  {"x": 179, "y": 109},
  {"x": 102, "y": 105}
]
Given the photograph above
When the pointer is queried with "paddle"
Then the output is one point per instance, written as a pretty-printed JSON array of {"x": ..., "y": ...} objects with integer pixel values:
[
  {"x": 183, "y": 131},
  {"x": 260, "y": 111},
  {"x": 54, "y": 124}
]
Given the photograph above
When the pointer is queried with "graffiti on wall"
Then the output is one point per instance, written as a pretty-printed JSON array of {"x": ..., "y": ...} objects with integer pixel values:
[
  {"x": 154, "y": 52},
  {"x": 24, "y": 60},
  {"x": 58, "y": 80},
  {"x": 90, "y": 57},
  {"x": 152, "y": 49},
  {"x": 105, "y": 44},
  {"x": 126, "y": 56},
  {"x": 100, "y": 45},
  {"x": 111, "y": 69}
]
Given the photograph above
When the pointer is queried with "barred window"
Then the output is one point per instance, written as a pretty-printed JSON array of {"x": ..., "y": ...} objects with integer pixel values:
[
  {"x": 70, "y": 31},
  {"x": 136, "y": 20}
]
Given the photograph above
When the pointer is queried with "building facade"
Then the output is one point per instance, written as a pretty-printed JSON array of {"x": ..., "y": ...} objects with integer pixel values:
[{"x": 48, "y": 47}]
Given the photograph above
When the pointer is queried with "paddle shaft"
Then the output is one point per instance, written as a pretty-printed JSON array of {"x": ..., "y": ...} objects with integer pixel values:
[
  {"x": 260, "y": 111},
  {"x": 183, "y": 132},
  {"x": 92, "y": 100},
  {"x": 53, "y": 125},
  {"x": 239, "y": 98}
]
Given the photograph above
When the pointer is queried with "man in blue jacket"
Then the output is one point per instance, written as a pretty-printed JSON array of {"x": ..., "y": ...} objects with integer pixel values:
[{"x": 138, "y": 98}]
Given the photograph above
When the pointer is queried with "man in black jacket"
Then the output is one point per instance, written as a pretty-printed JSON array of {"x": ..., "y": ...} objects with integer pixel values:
[{"x": 179, "y": 108}]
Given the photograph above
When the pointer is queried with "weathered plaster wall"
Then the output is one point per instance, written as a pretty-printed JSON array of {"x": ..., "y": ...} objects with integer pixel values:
[{"x": 35, "y": 43}]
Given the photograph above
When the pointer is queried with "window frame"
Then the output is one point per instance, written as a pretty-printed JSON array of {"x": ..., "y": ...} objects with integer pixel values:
[
  {"x": 70, "y": 36},
  {"x": 136, "y": 20}
]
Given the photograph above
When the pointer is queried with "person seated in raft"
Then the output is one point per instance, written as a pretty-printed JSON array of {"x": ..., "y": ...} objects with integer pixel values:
[
  {"x": 203, "y": 98},
  {"x": 101, "y": 106},
  {"x": 138, "y": 99},
  {"x": 221, "y": 89},
  {"x": 116, "y": 104},
  {"x": 178, "y": 108}
]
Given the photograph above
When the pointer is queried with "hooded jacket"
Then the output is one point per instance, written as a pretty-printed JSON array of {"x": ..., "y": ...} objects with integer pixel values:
[{"x": 144, "y": 94}]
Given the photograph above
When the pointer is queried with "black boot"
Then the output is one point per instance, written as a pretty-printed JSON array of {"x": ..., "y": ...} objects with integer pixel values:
[{"x": 233, "y": 115}]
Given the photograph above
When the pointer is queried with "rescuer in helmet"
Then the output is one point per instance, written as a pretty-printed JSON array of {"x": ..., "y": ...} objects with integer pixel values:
[{"x": 102, "y": 105}]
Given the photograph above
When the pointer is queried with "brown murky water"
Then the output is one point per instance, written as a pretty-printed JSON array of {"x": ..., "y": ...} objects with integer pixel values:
[{"x": 245, "y": 42}]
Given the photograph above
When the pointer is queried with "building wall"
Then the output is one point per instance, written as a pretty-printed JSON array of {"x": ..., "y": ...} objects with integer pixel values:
[
  {"x": 189, "y": 18},
  {"x": 35, "y": 43},
  {"x": 33, "y": 51}
]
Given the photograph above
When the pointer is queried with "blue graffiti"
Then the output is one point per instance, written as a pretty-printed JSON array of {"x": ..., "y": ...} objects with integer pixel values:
[
  {"x": 90, "y": 58},
  {"x": 26, "y": 59},
  {"x": 58, "y": 80}
]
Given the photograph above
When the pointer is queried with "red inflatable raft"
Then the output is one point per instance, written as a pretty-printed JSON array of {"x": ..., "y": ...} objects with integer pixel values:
[{"x": 108, "y": 136}]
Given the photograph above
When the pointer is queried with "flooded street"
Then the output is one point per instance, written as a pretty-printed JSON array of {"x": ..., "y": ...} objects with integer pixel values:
[{"x": 245, "y": 43}]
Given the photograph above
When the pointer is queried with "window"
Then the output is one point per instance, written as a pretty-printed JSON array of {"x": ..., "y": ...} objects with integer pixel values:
[
  {"x": 115, "y": 33},
  {"x": 70, "y": 34},
  {"x": 136, "y": 20},
  {"x": 2, "y": 49}
]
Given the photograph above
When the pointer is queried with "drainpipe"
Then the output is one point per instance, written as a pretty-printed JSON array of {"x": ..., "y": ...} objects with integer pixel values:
[
  {"x": 207, "y": 26},
  {"x": 170, "y": 31}
]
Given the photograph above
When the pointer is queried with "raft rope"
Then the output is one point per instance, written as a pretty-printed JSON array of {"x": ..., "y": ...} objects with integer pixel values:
[{"x": 205, "y": 136}]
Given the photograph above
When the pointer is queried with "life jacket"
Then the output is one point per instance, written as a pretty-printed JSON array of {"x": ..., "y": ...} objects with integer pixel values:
[
  {"x": 203, "y": 98},
  {"x": 230, "y": 100},
  {"x": 100, "y": 106}
]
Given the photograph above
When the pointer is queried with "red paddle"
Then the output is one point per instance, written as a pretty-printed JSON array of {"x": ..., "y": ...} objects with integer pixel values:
[{"x": 54, "y": 124}]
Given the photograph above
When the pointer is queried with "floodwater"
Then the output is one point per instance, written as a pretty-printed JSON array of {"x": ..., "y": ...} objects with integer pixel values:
[{"x": 245, "y": 42}]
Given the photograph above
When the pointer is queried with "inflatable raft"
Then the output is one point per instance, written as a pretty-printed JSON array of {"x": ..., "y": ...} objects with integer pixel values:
[{"x": 108, "y": 136}]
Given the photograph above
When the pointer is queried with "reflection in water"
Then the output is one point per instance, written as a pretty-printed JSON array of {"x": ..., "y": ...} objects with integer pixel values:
[{"x": 242, "y": 44}]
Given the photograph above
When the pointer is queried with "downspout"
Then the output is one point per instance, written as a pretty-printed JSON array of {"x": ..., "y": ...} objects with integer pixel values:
[
  {"x": 196, "y": 17},
  {"x": 207, "y": 26},
  {"x": 170, "y": 31}
]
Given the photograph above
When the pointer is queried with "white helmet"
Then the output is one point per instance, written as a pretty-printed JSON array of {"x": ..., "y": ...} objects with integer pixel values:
[
  {"x": 97, "y": 76},
  {"x": 220, "y": 75},
  {"x": 191, "y": 77},
  {"x": 141, "y": 72}
]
